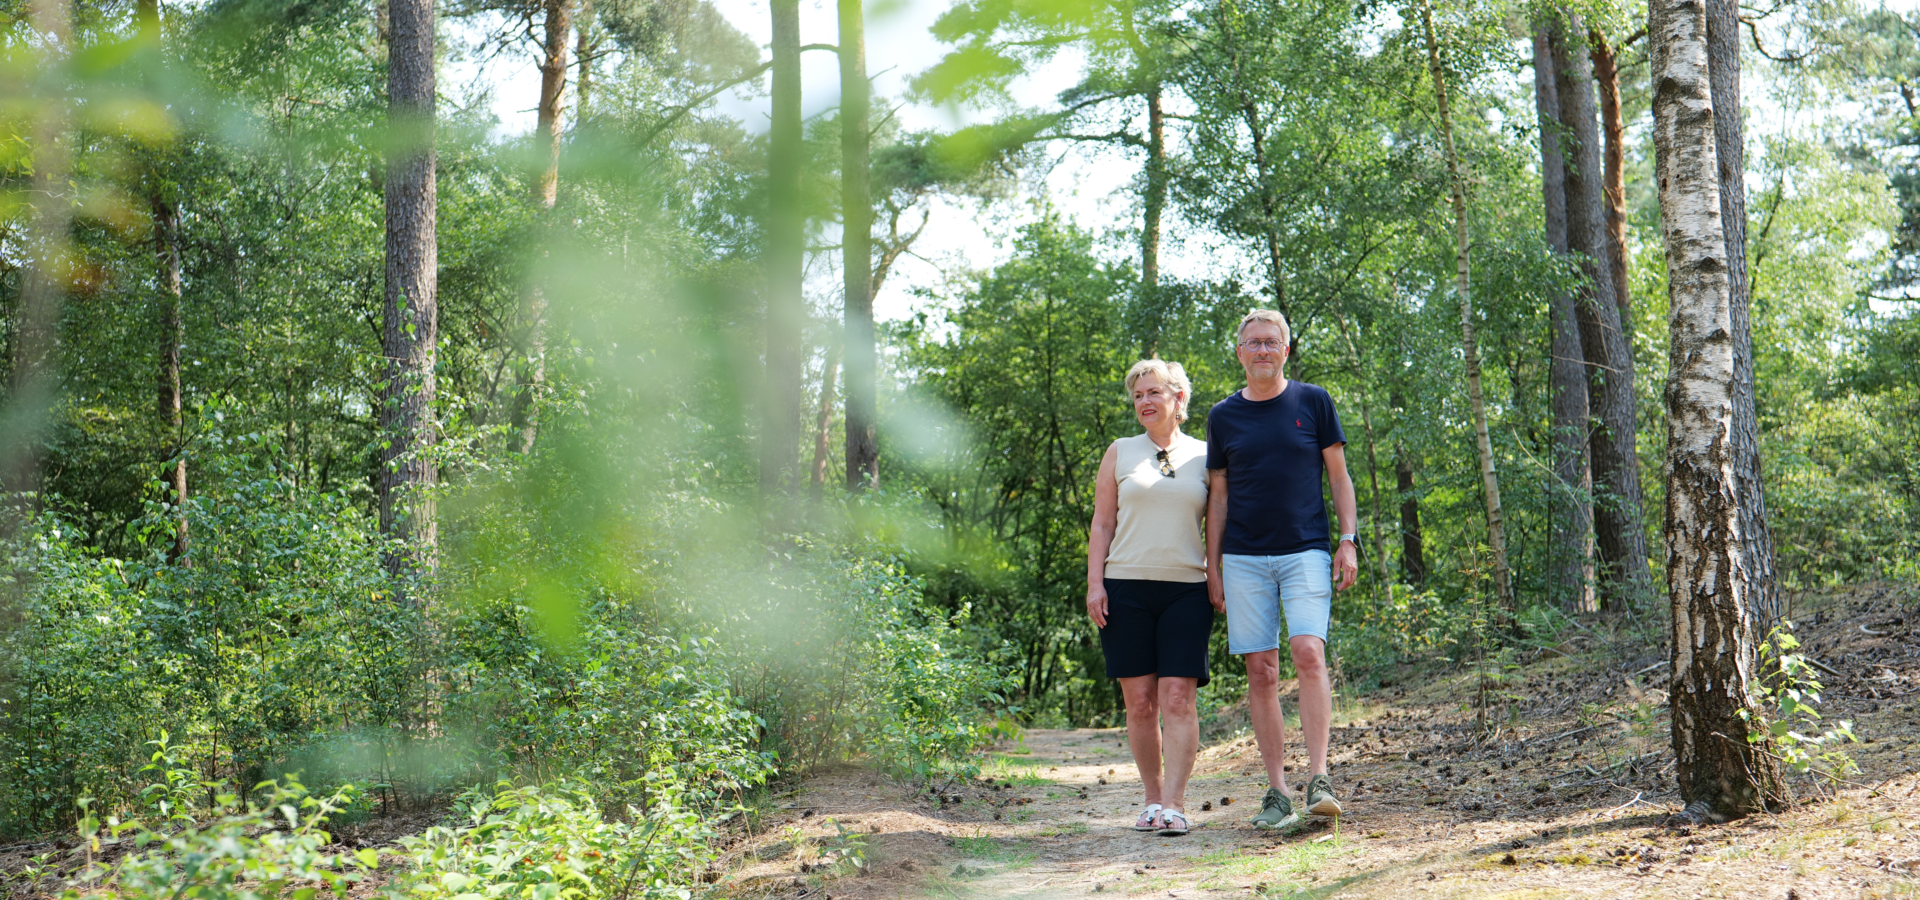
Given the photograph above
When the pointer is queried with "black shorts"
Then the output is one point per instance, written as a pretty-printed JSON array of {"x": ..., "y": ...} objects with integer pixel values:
[{"x": 1157, "y": 628}]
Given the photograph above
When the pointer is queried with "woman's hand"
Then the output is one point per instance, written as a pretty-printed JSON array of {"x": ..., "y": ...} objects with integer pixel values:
[
  {"x": 1097, "y": 605},
  {"x": 1216, "y": 592}
]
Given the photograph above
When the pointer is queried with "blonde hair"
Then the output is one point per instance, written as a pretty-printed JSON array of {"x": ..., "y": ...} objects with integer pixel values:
[
  {"x": 1272, "y": 317},
  {"x": 1171, "y": 375}
]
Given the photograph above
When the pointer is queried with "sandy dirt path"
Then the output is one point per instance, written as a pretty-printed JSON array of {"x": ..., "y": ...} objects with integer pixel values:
[{"x": 1569, "y": 797}]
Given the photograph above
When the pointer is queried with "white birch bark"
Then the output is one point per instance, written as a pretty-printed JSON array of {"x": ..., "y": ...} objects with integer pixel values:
[{"x": 1721, "y": 774}]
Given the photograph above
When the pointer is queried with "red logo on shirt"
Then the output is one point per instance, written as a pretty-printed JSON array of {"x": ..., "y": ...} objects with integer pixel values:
[{"x": 1296, "y": 424}]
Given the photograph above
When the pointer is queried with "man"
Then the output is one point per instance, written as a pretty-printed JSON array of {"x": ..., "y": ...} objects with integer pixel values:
[{"x": 1268, "y": 553}]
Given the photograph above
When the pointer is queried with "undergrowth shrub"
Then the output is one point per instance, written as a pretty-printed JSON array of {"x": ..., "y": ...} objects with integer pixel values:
[
  {"x": 851, "y": 662},
  {"x": 283, "y": 628},
  {"x": 270, "y": 847},
  {"x": 548, "y": 843}
]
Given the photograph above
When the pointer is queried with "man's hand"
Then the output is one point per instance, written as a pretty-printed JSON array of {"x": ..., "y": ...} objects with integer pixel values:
[
  {"x": 1097, "y": 605},
  {"x": 1216, "y": 592},
  {"x": 1346, "y": 565}
]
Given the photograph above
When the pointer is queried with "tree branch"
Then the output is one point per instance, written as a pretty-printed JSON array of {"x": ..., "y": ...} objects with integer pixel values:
[{"x": 679, "y": 111}]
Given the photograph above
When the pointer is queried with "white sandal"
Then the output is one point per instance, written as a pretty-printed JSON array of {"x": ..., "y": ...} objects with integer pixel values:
[
  {"x": 1149, "y": 818},
  {"x": 1168, "y": 829}
]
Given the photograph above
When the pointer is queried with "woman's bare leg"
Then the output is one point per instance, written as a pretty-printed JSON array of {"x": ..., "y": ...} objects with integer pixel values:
[
  {"x": 1180, "y": 740},
  {"x": 1143, "y": 730}
]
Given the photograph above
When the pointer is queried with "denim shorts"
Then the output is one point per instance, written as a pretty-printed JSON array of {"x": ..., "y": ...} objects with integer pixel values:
[{"x": 1259, "y": 587}]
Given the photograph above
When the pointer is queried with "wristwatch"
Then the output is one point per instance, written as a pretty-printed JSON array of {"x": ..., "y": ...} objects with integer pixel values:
[{"x": 1352, "y": 537}]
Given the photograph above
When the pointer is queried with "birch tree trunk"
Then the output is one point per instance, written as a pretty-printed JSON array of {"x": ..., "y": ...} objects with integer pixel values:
[
  {"x": 823, "y": 428},
  {"x": 856, "y": 202},
  {"x": 1721, "y": 773},
  {"x": 1156, "y": 195},
  {"x": 1571, "y": 576},
  {"x": 166, "y": 251},
  {"x": 165, "y": 217},
  {"x": 411, "y": 312},
  {"x": 1476, "y": 396},
  {"x": 1723, "y": 68},
  {"x": 1618, "y": 522}
]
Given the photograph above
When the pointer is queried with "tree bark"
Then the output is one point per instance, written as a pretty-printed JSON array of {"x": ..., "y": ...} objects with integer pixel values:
[
  {"x": 586, "y": 50},
  {"x": 32, "y": 351},
  {"x": 411, "y": 313},
  {"x": 1156, "y": 194},
  {"x": 1469, "y": 347},
  {"x": 1723, "y": 69},
  {"x": 1721, "y": 773},
  {"x": 165, "y": 217},
  {"x": 1374, "y": 519},
  {"x": 166, "y": 245},
  {"x": 1262, "y": 169},
  {"x": 823, "y": 427},
  {"x": 857, "y": 267},
  {"x": 1618, "y": 522},
  {"x": 1571, "y": 511},
  {"x": 1413, "y": 560},
  {"x": 1606, "y": 74},
  {"x": 546, "y": 193},
  {"x": 781, "y": 399}
]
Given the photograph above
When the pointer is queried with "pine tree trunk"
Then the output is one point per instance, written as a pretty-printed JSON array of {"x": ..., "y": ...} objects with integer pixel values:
[
  {"x": 1606, "y": 74},
  {"x": 1156, "y": 195},
  {"x": 856, "y": 201},
  {"x": 1720, "y": 772},
  {"x": 781, "y": 399},
  {"x": 1571, "y": 512},
  {"x": 1723, "y": 66},
  {"x": 546, "y": 193},
  {"x": 411, "y": 314},
  {"x": 1618, "y": 523},
  {"x": 1469, "y": 347}
]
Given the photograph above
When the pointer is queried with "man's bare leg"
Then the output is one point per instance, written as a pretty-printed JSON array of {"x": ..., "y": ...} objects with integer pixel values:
[
  {"x": 1263, "y": 707},
  {"x": 1316, "y": 698},
  {"x": 1143, "y": 730},
  {"x": 1180, "y": 737}
]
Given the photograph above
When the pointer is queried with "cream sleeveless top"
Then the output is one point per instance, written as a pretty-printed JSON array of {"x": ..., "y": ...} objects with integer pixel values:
[{"x": 1158, "y": 536}]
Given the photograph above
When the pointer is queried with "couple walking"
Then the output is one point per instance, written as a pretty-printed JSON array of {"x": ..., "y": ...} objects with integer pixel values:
[{"x": 1154, "y": 583}]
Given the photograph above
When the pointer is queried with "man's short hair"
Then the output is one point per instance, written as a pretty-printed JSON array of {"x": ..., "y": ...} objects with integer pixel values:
[
  {"x": 1171, "y": 375},
  {"x": 1270, "y": 316}
]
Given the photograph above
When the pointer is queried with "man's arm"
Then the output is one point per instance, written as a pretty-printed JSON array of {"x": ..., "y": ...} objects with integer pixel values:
[
  {"x": 1346, "y": 556},
  {"x": 1216, "y": 533}
]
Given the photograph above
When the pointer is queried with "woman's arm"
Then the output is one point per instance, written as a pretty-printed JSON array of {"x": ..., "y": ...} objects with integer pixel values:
[{"x": 1106, "y": 512}]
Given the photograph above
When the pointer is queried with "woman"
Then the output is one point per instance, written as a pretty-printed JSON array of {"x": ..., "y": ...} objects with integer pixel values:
[{"x": 1147, "y": 586}]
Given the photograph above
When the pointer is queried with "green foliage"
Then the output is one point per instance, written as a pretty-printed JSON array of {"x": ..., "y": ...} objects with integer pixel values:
[
  {"x": 553, "y": 843},
  {"x": 285, "y": 629},
  {"x": 1787, "y": 691},
  {"x": 253, "y": 850}
]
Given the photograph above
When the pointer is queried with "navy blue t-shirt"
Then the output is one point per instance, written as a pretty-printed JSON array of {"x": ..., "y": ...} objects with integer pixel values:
[{"x": 1271, "y": 451}]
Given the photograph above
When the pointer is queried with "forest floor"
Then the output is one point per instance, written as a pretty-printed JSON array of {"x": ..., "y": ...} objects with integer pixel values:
[{"x": 1568, "y": 793}]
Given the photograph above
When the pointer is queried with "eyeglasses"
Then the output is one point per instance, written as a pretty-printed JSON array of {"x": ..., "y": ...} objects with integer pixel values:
[
  {"x": 1262, "y": 344},
  {"x": 1166, "y": 465}
]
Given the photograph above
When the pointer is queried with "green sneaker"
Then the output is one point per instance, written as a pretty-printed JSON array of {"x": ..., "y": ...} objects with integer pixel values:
[
  {"x": 1276, "y": 811},
  {"x": 1320, "y": 800}
]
